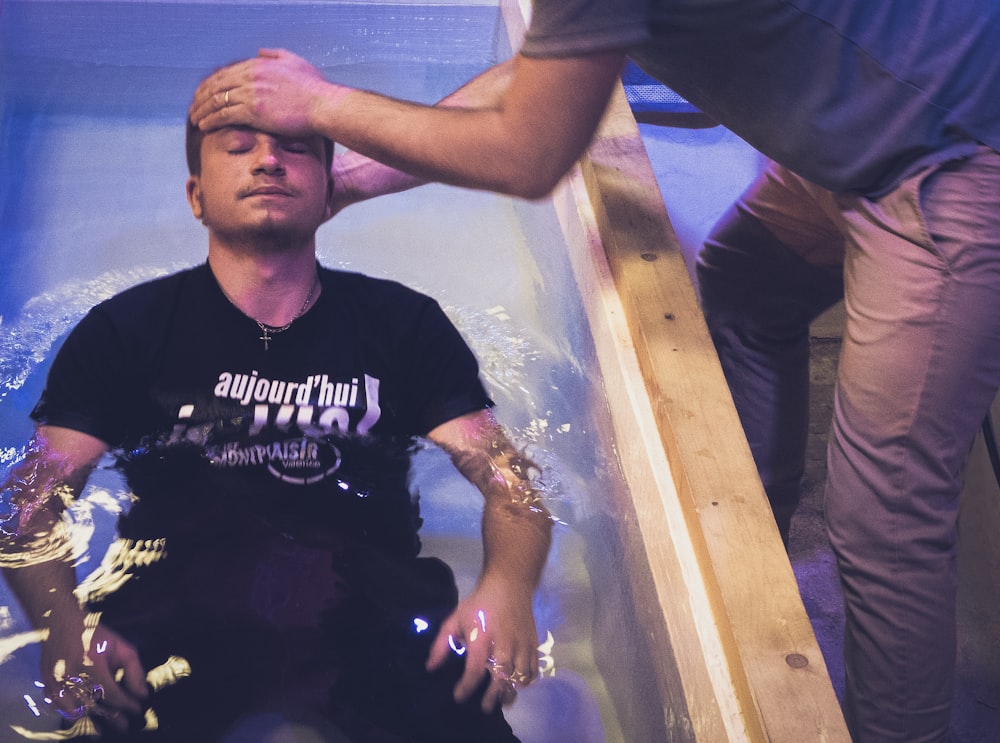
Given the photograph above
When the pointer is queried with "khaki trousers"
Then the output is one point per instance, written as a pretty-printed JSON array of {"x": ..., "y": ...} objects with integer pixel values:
[{"x": 919, "y": 270}]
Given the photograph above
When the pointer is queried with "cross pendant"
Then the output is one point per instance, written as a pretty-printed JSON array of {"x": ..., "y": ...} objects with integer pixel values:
[{"x": 266, "y": 337}]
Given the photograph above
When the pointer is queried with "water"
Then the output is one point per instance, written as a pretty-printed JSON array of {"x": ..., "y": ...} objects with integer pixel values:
[{"x": 91, "y": 201}]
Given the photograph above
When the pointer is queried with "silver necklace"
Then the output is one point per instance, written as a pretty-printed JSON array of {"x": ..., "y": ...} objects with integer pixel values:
[{"x": 269, "y": 331}]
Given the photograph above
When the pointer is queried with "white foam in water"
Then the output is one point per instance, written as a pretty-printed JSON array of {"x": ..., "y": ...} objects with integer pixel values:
[{"x": 91, "y": 204}]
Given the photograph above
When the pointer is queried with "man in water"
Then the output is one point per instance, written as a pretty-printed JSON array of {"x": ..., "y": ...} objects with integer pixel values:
[{"x": 264, "y": 410}]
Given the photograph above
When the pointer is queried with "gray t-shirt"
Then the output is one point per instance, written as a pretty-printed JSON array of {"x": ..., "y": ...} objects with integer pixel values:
[{"x": 853, "y": 95}]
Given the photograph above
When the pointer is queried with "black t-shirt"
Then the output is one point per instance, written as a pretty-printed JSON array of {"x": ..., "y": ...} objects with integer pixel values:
[{"x": 312, "y": 435}]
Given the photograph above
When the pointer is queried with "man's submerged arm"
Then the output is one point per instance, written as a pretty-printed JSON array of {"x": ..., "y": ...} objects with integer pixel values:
[
  {"x": 495, "y": 622},
  {"x": 35, "y": 552}
]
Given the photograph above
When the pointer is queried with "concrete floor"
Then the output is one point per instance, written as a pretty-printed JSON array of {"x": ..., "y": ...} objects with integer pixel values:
[{"x": 701, "y": 169}]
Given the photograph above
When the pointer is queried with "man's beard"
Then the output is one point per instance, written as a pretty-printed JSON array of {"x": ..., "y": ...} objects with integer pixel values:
[
  {"x": 269, "y": 236},
  {"x": 273, "y": 238}
]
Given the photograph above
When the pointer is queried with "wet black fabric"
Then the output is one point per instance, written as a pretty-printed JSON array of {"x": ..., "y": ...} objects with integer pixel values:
[{"x": 357, "y": 675}]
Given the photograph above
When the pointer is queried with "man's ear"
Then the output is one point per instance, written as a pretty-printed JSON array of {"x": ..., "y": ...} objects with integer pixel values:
[{"x": 193, "y": 189}]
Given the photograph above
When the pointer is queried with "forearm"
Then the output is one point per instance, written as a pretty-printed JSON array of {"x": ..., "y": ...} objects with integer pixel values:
[
  {"x": 36, "y": 546},
  {"x": 45, "y": 591},
  {"x": 516, "y": 525},
  {"x": 358, "y": 177},
  {"x": 473, "y": 148},
  {"x": 516, "y": 541},
  {"x": 44, "y": 588},
  {"x": 37, "y": 562}
]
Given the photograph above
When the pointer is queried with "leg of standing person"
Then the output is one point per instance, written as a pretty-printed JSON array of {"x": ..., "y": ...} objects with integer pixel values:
[
  {"x": 919, "y": 367},
  {"x": 769, "y": 268}
]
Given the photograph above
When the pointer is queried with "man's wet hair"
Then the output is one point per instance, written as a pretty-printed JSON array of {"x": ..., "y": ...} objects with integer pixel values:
[{"x": 195, "y": 136}]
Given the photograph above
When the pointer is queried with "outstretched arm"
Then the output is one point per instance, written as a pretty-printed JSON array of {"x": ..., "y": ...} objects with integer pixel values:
[
  {"x": 358, "y": 178},
  {"x": 517, "y": 129},
  {"x": 495, "y": 622},
  {"x": 78, "y": 655}
]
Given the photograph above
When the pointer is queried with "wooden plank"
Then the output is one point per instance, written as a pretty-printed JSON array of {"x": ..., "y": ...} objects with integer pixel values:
[
  {"x": 778, "y": 671},
  {"x": 690, "y": 671}
]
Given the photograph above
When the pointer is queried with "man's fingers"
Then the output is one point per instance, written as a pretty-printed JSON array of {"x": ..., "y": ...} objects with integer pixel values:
[
  {"x": 214, "y": 111},
  {"x": 501, "y": 692},
  {"x": 443, "y": 644},
  {"x": 134, "y": 679},
  {"x": 525, "y": 669},
  {"x": 122, "y": 698},
  {"x": 212, "y": 120},
  {"x": 218, "y": 92},
  {"x": 471, "y": 678}
]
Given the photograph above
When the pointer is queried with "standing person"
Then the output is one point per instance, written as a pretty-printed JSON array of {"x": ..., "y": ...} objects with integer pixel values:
[
  {"x": 264, "y": 411},
  {"x": 883, "y": 123}
]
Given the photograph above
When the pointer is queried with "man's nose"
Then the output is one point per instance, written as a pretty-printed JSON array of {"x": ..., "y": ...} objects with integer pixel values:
[{"x": 268, "y": 159}]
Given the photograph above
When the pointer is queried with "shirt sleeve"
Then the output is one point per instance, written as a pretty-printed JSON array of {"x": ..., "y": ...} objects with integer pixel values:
[
  {"x": 447, "y": 371},
  {"x": 563, "y": 28},
  {"x": 87, "y": 382}
]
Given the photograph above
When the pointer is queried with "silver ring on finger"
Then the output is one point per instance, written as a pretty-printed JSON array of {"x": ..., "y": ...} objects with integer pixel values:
[
  {"x": 520, "y": 678},
  {"x": 497, "y": 670}
]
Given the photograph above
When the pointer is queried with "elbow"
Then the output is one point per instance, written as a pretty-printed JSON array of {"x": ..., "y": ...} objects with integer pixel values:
[
  {"x": 531, "y": 179},
  {"x": 536, "y": 189}
]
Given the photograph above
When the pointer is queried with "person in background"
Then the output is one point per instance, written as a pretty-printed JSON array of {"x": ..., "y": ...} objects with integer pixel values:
[
  {"x": 882, "y": 123},
  {"x": 264, "y": 410}
]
